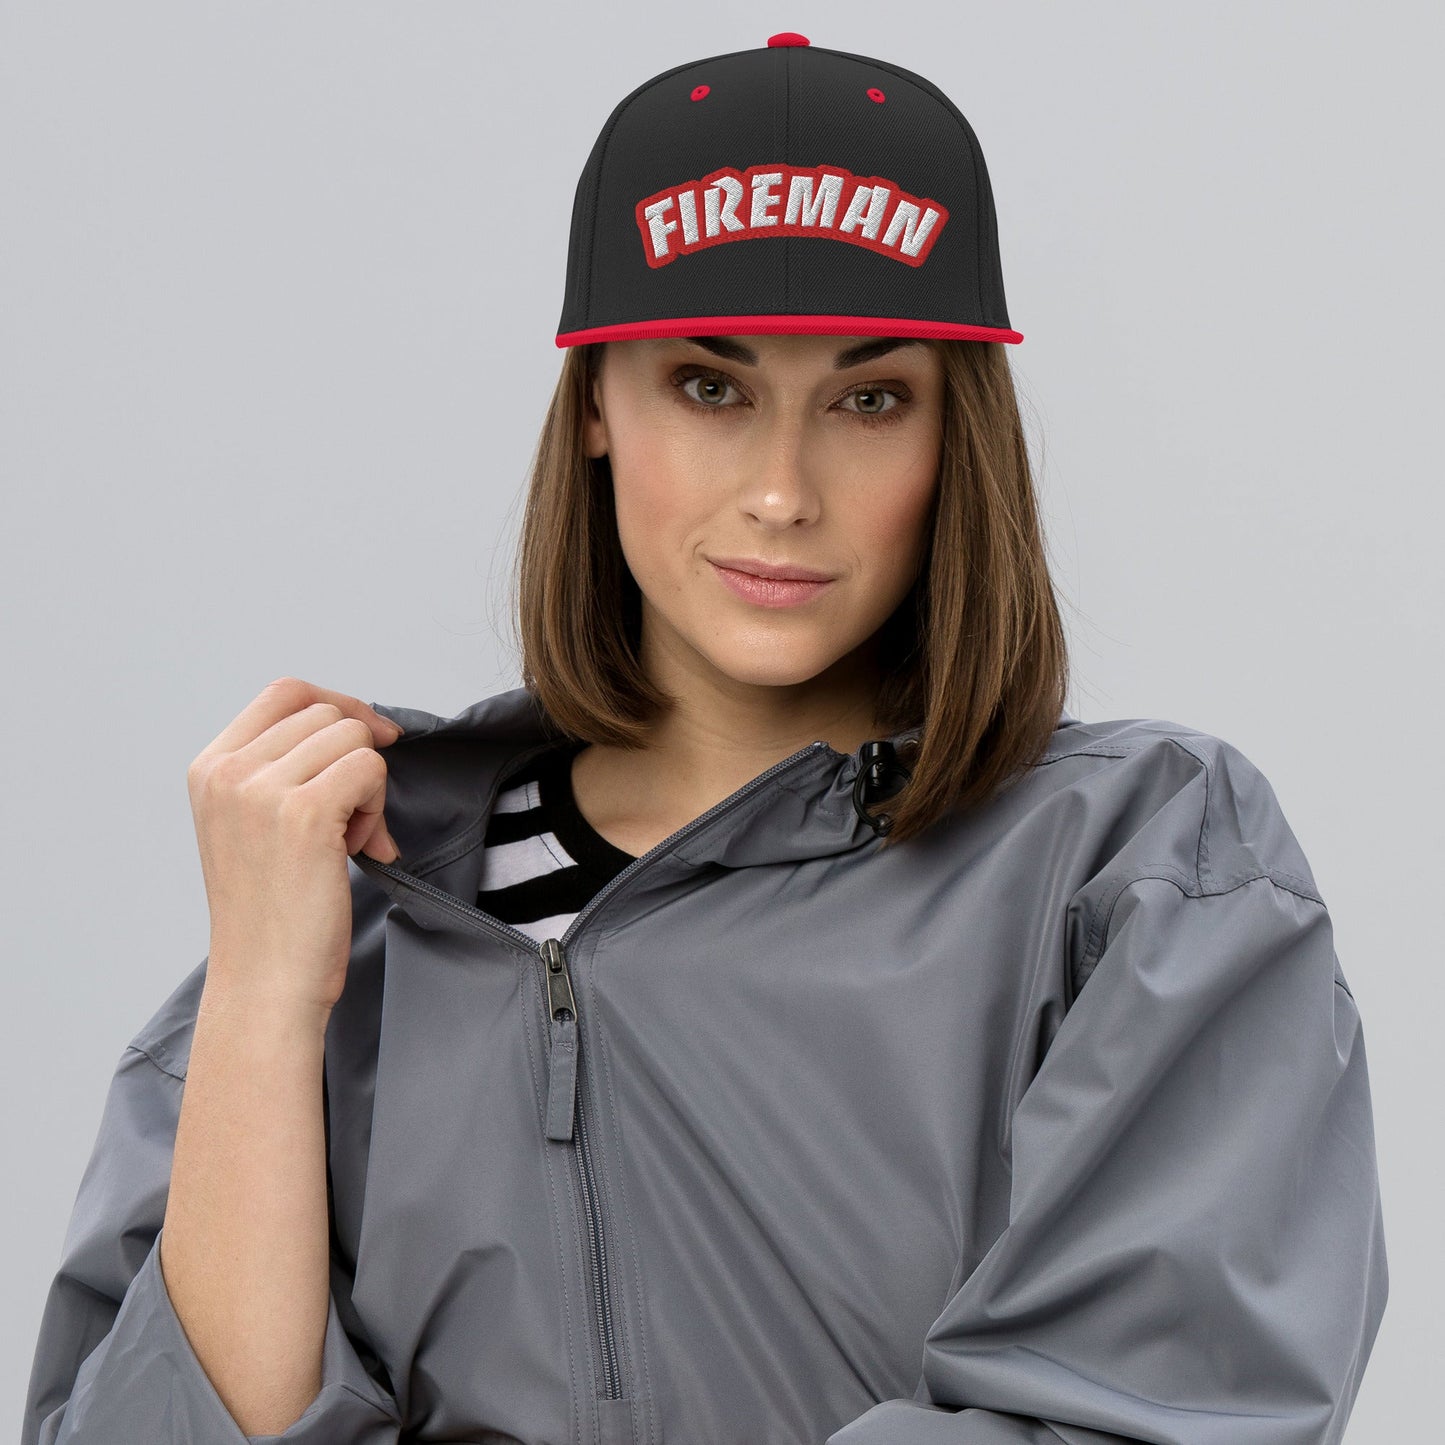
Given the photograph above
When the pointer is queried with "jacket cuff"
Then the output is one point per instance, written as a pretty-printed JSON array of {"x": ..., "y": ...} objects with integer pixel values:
[
  {"x": 144, "y": 1385},
  {"x": 906, "y": 1422}
]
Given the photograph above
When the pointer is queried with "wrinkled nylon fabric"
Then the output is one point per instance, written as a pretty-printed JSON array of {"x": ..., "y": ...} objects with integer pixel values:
[{"x": 1053, "y": 1124}]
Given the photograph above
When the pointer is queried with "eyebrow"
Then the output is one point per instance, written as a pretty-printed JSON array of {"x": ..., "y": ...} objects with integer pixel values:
[{"x": 851, "y": 356}]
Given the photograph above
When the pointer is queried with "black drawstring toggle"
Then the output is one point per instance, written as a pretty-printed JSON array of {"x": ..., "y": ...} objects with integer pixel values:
[{"x": 880, "y": 774}]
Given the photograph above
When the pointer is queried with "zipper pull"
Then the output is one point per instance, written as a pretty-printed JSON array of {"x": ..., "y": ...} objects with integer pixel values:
[{"x": 562, "y": 1058}]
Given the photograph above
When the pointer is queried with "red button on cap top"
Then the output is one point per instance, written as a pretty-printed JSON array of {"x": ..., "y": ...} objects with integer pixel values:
[{"x": 787, "y": 37}]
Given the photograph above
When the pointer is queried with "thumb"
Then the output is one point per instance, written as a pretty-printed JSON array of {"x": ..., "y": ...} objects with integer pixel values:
[{"x": 382, "y": 845}]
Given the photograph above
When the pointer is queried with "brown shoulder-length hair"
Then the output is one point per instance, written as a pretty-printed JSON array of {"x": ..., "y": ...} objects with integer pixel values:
[{"x": 975, "y": 653}]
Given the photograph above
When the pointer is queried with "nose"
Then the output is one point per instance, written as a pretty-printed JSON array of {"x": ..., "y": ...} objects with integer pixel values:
[{"x": 779, "y": 482}]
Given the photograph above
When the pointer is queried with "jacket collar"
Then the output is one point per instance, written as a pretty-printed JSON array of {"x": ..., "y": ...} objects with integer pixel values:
[{"x": 442, "y": 771}]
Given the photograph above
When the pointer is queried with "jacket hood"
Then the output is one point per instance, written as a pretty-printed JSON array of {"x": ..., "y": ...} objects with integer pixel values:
[{"x": 443, "y": 771}]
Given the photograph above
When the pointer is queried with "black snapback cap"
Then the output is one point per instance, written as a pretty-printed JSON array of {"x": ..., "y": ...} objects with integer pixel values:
[{"x": 787, "y": 188}]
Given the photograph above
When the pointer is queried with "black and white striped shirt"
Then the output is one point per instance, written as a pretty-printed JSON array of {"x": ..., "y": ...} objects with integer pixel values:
[{"x": 542, "y": 860}]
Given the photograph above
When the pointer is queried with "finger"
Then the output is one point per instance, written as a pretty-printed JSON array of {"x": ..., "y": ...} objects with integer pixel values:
[
  {"x": 367, "y": 831},
  {"x": 301, "y": 747},
  {"x": 288, "y": 695}
]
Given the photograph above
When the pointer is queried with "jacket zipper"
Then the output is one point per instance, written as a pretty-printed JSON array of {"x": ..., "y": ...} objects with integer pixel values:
[
  {"x": 565, "y": 1107},
  {"x": 562, "y": 1095}
]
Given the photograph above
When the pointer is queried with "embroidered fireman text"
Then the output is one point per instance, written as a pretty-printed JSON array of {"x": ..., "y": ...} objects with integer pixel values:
[{"x": 784, "y": 200}]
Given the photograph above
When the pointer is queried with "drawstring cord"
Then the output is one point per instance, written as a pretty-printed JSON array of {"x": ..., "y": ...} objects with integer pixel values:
[{"x": 882, "y": 773}]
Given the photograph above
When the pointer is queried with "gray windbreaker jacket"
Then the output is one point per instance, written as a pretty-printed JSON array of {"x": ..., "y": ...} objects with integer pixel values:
[{"x": 1051, "y": 1125}]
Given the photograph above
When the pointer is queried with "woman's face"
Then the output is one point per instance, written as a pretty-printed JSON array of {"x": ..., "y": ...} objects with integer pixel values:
[{"x": 765, "y": 448}]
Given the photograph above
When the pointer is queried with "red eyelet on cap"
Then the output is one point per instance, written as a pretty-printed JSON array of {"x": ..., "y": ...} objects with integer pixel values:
[
  {"x": 698, "y": 91},
  {"x": 875, "y": 94},
  {"x": 787, "y": 37}
]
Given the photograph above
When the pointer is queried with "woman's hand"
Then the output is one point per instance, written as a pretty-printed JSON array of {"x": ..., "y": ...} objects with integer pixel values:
[{"x": 281, "y": 798}]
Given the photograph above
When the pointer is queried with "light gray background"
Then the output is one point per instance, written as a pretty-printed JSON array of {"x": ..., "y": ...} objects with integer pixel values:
[{"x": 279, "y": 287}]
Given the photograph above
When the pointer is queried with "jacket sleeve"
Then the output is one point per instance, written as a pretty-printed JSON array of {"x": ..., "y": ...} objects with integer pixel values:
[
  {"x": 1194, "y": 1252},
  {"x": 113, "y": 1365}
]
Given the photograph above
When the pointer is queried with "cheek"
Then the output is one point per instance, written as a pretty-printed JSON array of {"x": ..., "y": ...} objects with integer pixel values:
[
  {"x": 893, "y": 552},
  {"x": 654, "y": 500},
  {"x": 894, "y": 513}
]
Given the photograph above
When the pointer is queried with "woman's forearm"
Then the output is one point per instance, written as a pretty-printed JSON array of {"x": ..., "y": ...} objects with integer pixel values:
[{"x": 245, "y": 1247}]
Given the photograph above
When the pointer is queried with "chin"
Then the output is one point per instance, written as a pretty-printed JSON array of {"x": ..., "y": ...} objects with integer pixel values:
[{"x": 774, "y": 664}]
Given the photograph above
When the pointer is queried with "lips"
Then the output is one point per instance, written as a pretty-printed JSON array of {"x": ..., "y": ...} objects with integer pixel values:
[
  {"x": 776, "y": 571},
  {"x": 769, "y": 591}
]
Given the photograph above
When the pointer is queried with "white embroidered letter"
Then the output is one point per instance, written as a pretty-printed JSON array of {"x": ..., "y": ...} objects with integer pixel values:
[
  {"x": 764, "y": 198},
  {"x": 876, "y": 199},
  {"x": 728, "y": 216},
  {"x": 905, "y": 219},
  {"x": 658, "y": 227},
  {"x": 687, "y": 206},
  {"x": 803, "y": 209}
]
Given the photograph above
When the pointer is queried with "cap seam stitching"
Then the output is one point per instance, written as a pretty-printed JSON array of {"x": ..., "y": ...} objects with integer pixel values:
[{"x": 787, "y": 152}]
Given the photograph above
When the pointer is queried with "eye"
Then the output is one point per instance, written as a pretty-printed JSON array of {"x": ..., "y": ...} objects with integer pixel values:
[
  {"x": 875, "y": 394},
  {"x": 713, "y": 387}
]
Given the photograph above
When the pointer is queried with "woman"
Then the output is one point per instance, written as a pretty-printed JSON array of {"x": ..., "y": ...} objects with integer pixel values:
[{"x": 646, "y": 1079}]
